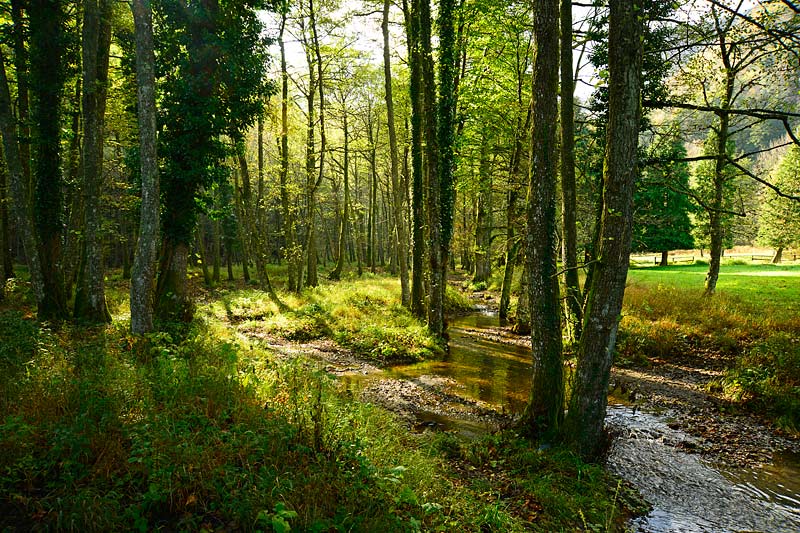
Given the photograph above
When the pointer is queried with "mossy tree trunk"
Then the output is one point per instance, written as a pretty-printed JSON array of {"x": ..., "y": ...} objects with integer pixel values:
[
  {"x": 90, "y": 298},
  {"x": 415, "y": 59},
  {"x": 545, "y": 409},
  {"x": 583, "y": 428},
  {"x": 144, "y": 261},
  {"x": 47, "y": 77}
]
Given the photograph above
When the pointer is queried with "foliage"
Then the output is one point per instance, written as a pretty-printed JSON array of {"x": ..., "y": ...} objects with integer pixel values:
[
  {"x": 751, "y": 324},
  {"x": 779, "y": 218},
  {"x": 363, "y": 315},
  {"x": 211, "y": 77},
  {"x": 661, "y": 209},
  {"x": 199, "y": 429}
]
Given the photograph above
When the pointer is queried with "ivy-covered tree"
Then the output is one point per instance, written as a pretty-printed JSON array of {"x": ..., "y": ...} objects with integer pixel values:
[
  {"x": 212, "y": 70},
  {"x": 661, "y": 208}
]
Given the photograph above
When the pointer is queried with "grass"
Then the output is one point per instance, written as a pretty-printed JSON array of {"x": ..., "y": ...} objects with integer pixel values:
[
  {"x": 198, "y": 428},
  {"x": 363, "y": 315},
  {"x": 752, "y": 324}
]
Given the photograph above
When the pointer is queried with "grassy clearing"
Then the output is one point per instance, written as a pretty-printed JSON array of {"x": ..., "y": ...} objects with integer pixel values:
[
  {"x": 364, "y": 315},
  {"x": 199, "y": 429},
  {"x": 753, "y": 323}
]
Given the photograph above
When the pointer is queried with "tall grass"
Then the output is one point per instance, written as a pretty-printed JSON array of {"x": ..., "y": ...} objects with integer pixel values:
[
  {"x": 197, "y": 428},
  {"x": 751, "y": 326}
]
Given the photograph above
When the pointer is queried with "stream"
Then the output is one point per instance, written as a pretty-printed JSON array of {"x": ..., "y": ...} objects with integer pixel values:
[{"x": 689, "y": 493}]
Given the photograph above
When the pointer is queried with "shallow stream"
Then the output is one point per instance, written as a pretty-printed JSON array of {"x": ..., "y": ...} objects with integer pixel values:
[{"x": 688, "y": 493}]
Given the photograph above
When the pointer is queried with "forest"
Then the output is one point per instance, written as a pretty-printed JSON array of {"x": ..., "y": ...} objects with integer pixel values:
[{"x": 325, "y": 265}]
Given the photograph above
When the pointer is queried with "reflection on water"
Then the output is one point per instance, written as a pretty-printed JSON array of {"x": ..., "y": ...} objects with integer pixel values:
[
  {"x": 488, "y": 371},
  {"x": 688, "y": 495}
]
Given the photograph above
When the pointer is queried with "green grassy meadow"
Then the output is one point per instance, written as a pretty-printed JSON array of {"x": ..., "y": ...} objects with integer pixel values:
[{"x": 752, "y": 325}]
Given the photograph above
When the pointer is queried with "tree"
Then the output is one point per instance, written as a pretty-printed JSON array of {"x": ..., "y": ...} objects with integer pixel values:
[
  {"x": 213, "y": 62},
  {"x": 583, "y": 427},
  {"x": 661, "y": 215},
  {"x": 143, "y": 274},
  {"x": 47, "y": 77},
  {"x": 441, "y": 158},
  {"x": 20, "y": 189},
  {"x": 780, "y": 216},
  {"x": 90, "y": 298},
  {"x": 545, "y": 409},
  {"x": 569, "y": 242},
  {"x": 398, "y": 196}
]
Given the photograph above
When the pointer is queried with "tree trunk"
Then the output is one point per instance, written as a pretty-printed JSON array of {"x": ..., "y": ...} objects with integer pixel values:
[
  {"x": 512, "y": 246},
  {"x": 343, "y": 223},
  {"x": 311, "y": 249},
  {"x": 255, "y": 230},
  {"x": 174, "y": 302},
  {"x": 73, "y": 245},
  {"x": 290, "y": 247},
  {"x": 584, "y": 424},
  {"x": 398, "y": 195},
  {"x": 441, "y": 156},
  {"x": 47, "y": 83},
  {"x": 545, "y": 409},
  {"x": 90, "y": 298},
  {"x": 5, "y": 223},
  {"x": 23, "y": 104},
  {"x": 719, "y": 179},
  {"x": 569, "y": 244},
  {"x": 20, "y": 188},
  {"x": 417, "y": 178},
  {"x": 242, "y": 229},
  {"x": 522, "y": 317},
  {"x": 664, "y": 258},
  {"x": 144, "y": 262},
  {"x": 776, "y": 259},
  {"x": 483, "y": 218}
]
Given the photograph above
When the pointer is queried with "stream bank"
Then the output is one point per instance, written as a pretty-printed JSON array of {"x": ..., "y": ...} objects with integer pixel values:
[{"x": 672, "y": 435}]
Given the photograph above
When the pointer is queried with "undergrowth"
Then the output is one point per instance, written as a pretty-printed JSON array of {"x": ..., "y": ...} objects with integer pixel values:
[
  {"x": 197, "y": 429},
  {"x": 750, "y": 327},
  {"x": 363, "y": 315}
]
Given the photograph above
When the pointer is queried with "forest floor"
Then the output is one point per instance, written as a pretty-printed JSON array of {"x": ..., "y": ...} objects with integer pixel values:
[
  {"x": 246, "y": 418},
  {"x": 682, "y": 386}
]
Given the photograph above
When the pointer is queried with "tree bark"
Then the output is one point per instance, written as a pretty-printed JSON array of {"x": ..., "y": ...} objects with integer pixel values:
[
  {"x": 290, "y": 251},
  {"x": 47, "y": 70},
  {"x": 144, "y": 261},
  {"x": 90, "y": 298},
  {"x": 344, "y": 222},
  {"x": 417, "y": 178},
  {"x": 776, "y": 259},
  {"x": 569, "y": 250},
  {"x": 545, "y": 409},
  {"x": 20, "y": 188},
  {"x": 664, "y": 258},
  {"x": 583, "y": 429}
]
